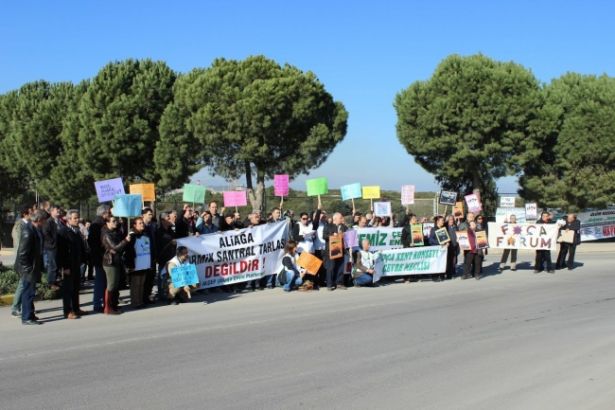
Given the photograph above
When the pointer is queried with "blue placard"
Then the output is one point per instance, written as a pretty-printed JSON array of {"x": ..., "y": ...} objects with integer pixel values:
[
  {"x": 128, "y": 205},
  {"x": 351, "y": 191},
  {"x": 184, "y": 275}
]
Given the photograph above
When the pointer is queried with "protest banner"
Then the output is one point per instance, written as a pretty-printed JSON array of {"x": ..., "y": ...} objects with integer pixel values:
[
  {"x": 317, "y": 186},
  {"x": 463, "y": 241},
  {"x": 107, "y": 190},
  {"x": 410, "y": 261},
  {"x": 523, "y": 236},
  {"x": 235, "y": 199},
  {"x": 224, "y": 258},
  {"x": 147, "y": 191},
  {"x": 531, "y": 212},
  {"x": 481, "y": 240},
  {"x": 336, "y": 246},
  {"x": 371, "y": 192},
  {"x": 597, "y": 224},
  {"x": 382, "y": 209},
  {"x": 351, "y": 239},
  {"x": 380, "y": 238},
  {"x": 418, "y": 238},
  {"x": 194, "y": 193},
  {"x": 442, "y": 236},
  {"x": 280, "y": 185},
  {"x": 474, "y": 204},
  {"x": 351, "y": 191},
  {"x": 503, "y": 214},
  {"x": 309, "y": 262},
  {"x": 448, "y": 197},
  {"x": 507, "y": 201},
  {"x": 184, "y": 275},
  {"x": 407, "y": 195},
  {"x": 458, "y": 209},
  {"x": 127, "y": 205}
]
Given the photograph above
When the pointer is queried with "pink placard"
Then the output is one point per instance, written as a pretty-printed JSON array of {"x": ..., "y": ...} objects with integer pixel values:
[
  {"x": 474, "y": 204},
  {"x": 235, "y": 198},
  {"x": 407, "y": 194},
  {"x": 280, "y": 185}
]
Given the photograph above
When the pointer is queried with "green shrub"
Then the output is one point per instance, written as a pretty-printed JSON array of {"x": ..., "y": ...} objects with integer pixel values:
[{"x": 8, "y": 284}]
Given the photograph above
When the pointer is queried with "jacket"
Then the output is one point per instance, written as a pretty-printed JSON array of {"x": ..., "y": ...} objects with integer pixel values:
[
  {"x": 131, "y": 253},
  {"x": 332, "y": 229},
  {"x": 113, "y": 244},
  {"x": 50, "y": 233},
  {"x": 576, "y": 227},
  {"x": 94, "y": 241},
  {"x": 29, "y": 257},
  {"x": 72, "y": 251}
]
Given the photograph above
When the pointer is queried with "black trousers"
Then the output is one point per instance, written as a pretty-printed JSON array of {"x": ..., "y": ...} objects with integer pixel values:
[
  {"x": 71, "y": 285},
  {"x": 335, "y": 272},
  {"x": 472, "y": 264},
  {"x": 543, "y": 257},
  {"x": 451, "y": 261},
  {"x": 566, "y": 249}
]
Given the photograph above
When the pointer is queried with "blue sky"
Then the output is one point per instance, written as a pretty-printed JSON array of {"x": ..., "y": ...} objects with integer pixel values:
[{"x": 364, "y": 52}]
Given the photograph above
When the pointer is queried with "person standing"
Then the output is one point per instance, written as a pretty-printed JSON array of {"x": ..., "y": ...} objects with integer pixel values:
[
  {"x": 567, "y": 248},
  {"x": 453, "y": 248},
  {"x": 151, "y": 230},
  {"x": 512, "y": 219},
  {"x": 139, "y": 262},
  {"x": 50, "y": 235},
  {"x": 472, "y": 263},
  {"x": 24, "y": 219},
  {"x": 114, "y": 244},
  {"x": 334, "y": 266},
  {"x": 103, "y": 213},
  {"x": 71, "y": 255},
  {"x": 543, "y": 256},
  {"x": 29, "y": 263}
]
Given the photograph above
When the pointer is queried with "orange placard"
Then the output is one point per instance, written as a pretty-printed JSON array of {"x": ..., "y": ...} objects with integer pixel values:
[
  {"x": 481, "y": 240},
  {"x": 336, "y": 246},
  {"x": 458, "y": 209},
  {"x": 309, "y": 262},
  {"x": 148, "y": 191}
]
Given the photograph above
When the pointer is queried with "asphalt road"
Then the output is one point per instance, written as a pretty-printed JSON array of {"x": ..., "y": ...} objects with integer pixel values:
[{"x": 509, "y": 341}]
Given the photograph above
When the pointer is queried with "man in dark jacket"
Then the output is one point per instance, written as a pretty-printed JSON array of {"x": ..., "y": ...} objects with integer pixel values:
[
  {"x": 151, "y": 230},
  {"x": 50, "y": 234},
  {"x": 567, "y": 248},
  {"x": 103, "y": 212},
  {"x": 543, "y": 256},
  {"x": 185, "y": 223},
  {"x": 334, "y": 266},
  {"x": 71, "y": 255},
  {"x": 29, "y": 263}
]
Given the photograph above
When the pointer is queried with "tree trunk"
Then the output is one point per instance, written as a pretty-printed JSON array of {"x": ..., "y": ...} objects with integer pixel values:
[{"x": 257, "y": 196}]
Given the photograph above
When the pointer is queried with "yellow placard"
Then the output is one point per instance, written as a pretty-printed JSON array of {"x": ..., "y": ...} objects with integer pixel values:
[
  {"x": 148, "y": 191},
  {"x": 371, "y": 192},
  {"x": 309, "y": 262}
]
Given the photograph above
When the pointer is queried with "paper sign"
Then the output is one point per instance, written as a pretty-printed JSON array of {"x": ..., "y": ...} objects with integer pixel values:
[
  {"x": 531, "y": 211},
  {"x": 127, "y": 205},
  {"x": 235, "y": 198},
  {"x": 371, "y": 192},
  {"x": 448, "y": 197},
  {"x": 442, "y": 236},
  {"x": 309, "y": 262},
  {"x": 147, "y": 191},
  {"x": 351, "y": 191},
  {"x": 382, "y": 209},
  {"x": 474, "y": 204},
  {"x": 184, "y": 275},
  {"x": 458, "y": 209},
  {"x": 351, "y": 239},
  {"x": 336, "y": 246},
  {"x": 507, "y": 201},
  {"x": 417, "y": 235},
  {"x": 407, "y": 195},
  {"x": 280, "y": 185},
  {"x": 107, "y": 190},
  {"x": 194, "y": 193},
  {"x": 317, "y": 186},
  {"x": 481, "y": 240},
  {"x": 463, "y": 240}
]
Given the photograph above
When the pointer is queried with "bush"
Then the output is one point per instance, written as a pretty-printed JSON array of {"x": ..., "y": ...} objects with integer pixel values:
[{"x": 8, "y": 284}]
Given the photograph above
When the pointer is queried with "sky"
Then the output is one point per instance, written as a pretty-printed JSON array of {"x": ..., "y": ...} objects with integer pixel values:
[{"x": 364, "y": 52}]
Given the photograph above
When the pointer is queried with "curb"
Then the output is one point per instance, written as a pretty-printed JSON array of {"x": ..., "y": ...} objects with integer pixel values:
[{"x": 6, "y": 300}]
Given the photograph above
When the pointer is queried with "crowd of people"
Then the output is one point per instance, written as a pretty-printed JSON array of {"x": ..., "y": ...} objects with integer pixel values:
[{"x": 141, "y": 255}]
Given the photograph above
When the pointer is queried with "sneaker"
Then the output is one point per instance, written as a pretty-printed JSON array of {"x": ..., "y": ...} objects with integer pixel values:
[
  {"x": 31, "y": 322},
  {"x": 15, "y": 313}
]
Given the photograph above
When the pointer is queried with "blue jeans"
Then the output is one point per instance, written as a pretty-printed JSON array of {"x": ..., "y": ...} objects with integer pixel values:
[
  {"x": 100, "y": 284},
  {"x": 292, "y": 279},
  {"x": 365, "y": 279},
  {"x": 162, "y": 284},
  {"x": 27, "y": 300},
  {"x": 49, "y": 260},
  {"x": 16, "y": 306}
]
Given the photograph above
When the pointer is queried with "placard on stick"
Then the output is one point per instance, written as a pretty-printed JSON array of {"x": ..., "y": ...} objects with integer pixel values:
[
  {"x": 382, "y": 209},
  {"x": 351, "y": 191},
  {"x": 235, "y": 198},
  {"x": 448, "y": 197},
  {"x": 371, "y": 192},
  {"x": 194, "y": 193},
  {"x": 127, "y": 205},
  {"x": 317, "y": 186},
  {"x": 474, "y": 204},
  {"x": 147, "y": 191},
  {"x": 107, "y": 189},
  {"x": 407, "y": 194},
  {"x": 280, "y": 185}
]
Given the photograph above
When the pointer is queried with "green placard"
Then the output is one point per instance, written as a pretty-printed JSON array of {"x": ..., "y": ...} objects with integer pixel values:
[
  {"x": 194, "y": 193},
  {"x": 317, "y": 186}
]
